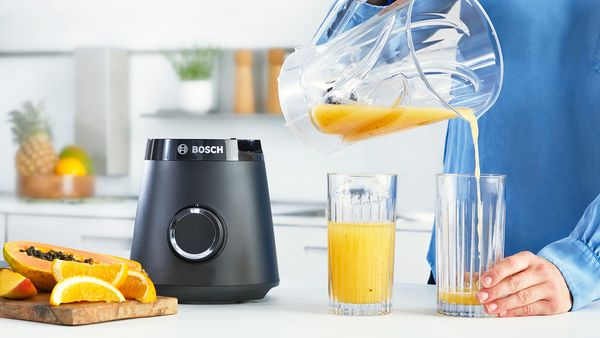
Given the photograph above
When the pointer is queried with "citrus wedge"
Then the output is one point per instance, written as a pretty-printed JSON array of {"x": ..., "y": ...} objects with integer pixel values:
[
  {"x": 115, "y": 274},
  {"x": 138, "y": 286},
  {"x": 83, "y": 288}
]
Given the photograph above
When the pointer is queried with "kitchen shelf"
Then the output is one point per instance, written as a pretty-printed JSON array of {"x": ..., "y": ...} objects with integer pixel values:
[
  {"x": 17, "y": 53},
  {"x": 213, "y": 115}
]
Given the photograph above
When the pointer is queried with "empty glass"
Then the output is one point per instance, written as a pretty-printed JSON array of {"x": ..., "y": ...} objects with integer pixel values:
[
  {"x": 466, "y": 246},
  {"x": 414, "y": 63},
  {"x": 361, "y": 217}
]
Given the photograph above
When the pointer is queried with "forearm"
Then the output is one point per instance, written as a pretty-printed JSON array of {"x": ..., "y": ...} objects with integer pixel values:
[
  {"x": 363, "y": 11},
  {"x": 578, "y": 257},
  {"x": 358, "y": 13}
]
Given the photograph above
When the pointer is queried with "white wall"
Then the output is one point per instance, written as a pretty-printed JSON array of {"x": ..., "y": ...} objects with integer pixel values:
[
  {"x": 295, "y": 173},
  {"x": 144, "y": 24}
]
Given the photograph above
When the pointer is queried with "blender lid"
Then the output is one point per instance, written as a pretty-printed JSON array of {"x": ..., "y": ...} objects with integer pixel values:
[{"x": 203, "y": 150}]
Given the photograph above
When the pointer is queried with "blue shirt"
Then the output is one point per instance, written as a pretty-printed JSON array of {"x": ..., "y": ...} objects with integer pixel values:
[{"x": 544, "y": 134}]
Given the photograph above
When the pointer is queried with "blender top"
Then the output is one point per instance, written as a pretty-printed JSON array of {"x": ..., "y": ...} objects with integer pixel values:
[{"x": 203, "y": 150}]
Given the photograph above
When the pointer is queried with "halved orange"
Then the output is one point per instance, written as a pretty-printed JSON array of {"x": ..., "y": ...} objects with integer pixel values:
[
  {"x": 83, "y": 288},
  {"x": 115, "y": 274},
  {"x": 138, "y": 286}
]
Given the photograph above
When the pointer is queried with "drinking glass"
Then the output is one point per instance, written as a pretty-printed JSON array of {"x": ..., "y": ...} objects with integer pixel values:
[
  {"x": 468, "y": 243},
  {"x": 361, "y": 217}
]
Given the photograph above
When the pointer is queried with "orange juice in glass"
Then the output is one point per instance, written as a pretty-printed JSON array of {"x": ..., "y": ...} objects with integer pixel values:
[{"x": 361, "y": 235}]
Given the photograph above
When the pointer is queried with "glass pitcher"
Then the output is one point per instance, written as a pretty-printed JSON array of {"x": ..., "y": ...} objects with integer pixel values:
[{"x": 369, "y": 72}]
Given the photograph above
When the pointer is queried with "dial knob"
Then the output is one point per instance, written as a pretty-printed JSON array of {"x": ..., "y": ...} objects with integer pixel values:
[{"x": 196, "y": 234}]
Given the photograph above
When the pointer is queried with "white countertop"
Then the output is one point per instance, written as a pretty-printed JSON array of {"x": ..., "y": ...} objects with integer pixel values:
[
  {"x": 101, "y": 207},
  {"x": 125, "y": 208},
  {"x": 303, "y": 313},
  {"x": 98, "y": 207}
]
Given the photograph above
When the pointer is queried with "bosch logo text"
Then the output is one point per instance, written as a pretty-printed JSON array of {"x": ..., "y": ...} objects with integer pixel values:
[{"x": 207, "y": 149}]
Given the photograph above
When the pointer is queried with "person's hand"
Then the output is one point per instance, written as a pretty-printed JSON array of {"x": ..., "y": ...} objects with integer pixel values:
[{"x": 524, "y": 285}]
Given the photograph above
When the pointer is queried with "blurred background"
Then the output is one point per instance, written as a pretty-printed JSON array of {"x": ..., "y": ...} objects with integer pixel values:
[
  {"x": 113, "y": 73},
  {"x": 65, "y": 52}
]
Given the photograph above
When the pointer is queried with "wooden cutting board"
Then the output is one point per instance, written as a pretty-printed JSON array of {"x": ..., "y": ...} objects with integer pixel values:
[{"x": 38, "y": 309}]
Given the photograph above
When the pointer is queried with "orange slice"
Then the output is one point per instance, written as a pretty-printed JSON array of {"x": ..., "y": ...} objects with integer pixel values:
[
  {"x": 139, "y": 286},
  {"x": 115, "y": 274},
  {"x": 83, "y": 288}
]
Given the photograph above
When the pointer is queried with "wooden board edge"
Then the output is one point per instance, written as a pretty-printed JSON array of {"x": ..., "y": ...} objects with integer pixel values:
[
  {"x": 67, "y": 316},
  {"x": 167, "y": 306}
]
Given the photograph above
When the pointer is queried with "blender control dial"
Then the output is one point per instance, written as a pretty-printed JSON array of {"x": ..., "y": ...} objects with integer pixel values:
[{"x": 196, "y": 234}]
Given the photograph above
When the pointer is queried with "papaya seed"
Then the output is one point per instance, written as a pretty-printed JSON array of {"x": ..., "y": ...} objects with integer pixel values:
[{"x": 53, "y": 254}]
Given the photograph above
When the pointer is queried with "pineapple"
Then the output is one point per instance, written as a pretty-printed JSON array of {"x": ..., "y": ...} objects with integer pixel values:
[{"x": 31, "y": 131}]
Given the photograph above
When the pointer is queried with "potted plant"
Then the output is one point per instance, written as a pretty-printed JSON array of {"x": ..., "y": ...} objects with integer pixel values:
[{"x": 196, "y": 69}]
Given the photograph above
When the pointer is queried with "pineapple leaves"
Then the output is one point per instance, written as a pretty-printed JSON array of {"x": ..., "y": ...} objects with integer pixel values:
[{"x": 30, "y": 120}]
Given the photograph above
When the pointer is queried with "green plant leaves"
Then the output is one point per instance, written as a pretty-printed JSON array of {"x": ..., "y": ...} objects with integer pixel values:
[{"x": 194, "y": 64}]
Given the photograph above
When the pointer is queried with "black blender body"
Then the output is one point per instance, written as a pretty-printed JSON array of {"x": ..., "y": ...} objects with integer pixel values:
[{"x": 204, "y": 229}]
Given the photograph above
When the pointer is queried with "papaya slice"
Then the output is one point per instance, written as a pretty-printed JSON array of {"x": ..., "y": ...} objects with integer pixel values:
[{"x": 34, "y": 260}]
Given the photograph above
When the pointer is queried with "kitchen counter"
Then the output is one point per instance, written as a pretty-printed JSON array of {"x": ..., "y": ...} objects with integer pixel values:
[
  {"x": 106, "y": 225},
  {"x": 98, "y": 207},
  {"x": 106, "y": 207},
  {"x": 284, "y": 213},
  {"x": 303, "y": 313}
]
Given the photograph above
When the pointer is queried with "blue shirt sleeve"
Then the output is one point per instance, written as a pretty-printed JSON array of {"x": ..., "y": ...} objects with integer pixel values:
[
  {"x": 578, "y": 257},
  {"x": 362, "y": 13}
]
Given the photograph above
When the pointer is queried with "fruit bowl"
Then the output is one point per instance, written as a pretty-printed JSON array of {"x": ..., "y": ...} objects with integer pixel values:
[{"x": 55, "y": 186}]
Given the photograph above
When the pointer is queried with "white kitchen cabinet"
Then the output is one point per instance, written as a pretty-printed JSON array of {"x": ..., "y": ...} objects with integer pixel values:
[
  {"x": 411, "y": 265},
  {"x": 302, "y": 255},
  {"x": 111, "y": 236},
  {"x": 301, "y": 249},
  {"x": 2, "y": 232}
]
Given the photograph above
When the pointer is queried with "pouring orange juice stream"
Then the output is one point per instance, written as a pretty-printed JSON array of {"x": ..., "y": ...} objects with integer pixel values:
[{"x": 354, "y": 122}]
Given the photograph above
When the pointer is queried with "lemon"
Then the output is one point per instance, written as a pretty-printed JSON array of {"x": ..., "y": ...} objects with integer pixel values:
[
  {"x": 79, "y": 154},
  {"x": 70, "y": 166}
]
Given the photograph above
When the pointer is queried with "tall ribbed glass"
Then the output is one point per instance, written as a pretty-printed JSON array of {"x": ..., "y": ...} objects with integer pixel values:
[
  {"x": 361, "y": 217},
  {"x": 467, "y": 246}
]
